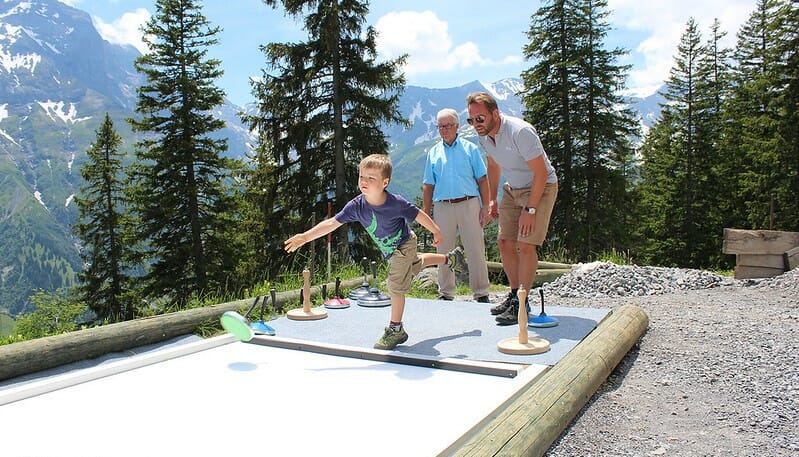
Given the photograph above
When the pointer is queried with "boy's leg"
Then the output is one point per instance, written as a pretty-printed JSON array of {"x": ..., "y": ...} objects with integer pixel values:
[
  {"x": 402, "y": 267},
  {"x": 429, "y": 259},
  {"x": 397, "y": 307},
  {"x": 453, "y": 259}
]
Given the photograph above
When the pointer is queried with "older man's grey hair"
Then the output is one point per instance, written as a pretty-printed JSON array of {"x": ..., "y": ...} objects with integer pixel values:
[{"x": 449, "y": 113}]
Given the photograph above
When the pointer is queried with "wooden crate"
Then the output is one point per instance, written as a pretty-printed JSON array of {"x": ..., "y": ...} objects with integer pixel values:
[{"x": 761, "y": 253}]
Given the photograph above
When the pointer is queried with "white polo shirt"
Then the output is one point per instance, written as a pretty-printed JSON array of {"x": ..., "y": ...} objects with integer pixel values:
[{"x": 515, "y": 144}]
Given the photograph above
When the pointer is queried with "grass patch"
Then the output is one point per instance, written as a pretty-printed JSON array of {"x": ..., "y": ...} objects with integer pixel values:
[{"x": 6, "y": 325}]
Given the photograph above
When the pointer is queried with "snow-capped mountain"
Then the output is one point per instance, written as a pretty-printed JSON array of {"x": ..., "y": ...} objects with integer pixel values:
[
  {"x": 420, "y": 106},
  {"x": 48, "y": 48},
  {"x": 58, "y": 78}
]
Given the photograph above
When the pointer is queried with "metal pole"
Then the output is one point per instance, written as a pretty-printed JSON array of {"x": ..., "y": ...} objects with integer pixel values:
[{"x": 329, "y": 242}]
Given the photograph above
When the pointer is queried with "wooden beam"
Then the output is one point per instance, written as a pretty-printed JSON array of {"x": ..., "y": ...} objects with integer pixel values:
[
  {"x": 747, "y": 272},
  {"x": 776, "y": 261},
  {"x": 737, "y": 241},
  {"x": 537, "y": 417},
  {"x": 497, "y": 266},
  {"x": 542, "y": 275},
  {"x": 791, "y": 258}
]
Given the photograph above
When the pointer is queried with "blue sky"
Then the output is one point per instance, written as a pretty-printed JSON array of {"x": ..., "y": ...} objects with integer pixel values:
[{"x": 449, "y": 42}]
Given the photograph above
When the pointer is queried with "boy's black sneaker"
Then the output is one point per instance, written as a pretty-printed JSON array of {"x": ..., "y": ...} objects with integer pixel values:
[
  {"x": 511, "y": 315},
  {"x": 502, "y": 307}
]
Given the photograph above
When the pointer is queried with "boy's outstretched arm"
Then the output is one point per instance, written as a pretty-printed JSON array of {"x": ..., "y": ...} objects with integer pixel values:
[
  {"x": 430, "y": 225},
  {"x": 320, "y": 229}
]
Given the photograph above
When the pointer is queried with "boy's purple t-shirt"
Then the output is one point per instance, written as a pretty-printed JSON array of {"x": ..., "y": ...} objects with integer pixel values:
[{"x": 387, "y": 224}]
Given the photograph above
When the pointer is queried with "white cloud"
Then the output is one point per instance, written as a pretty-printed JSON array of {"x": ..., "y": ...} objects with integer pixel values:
[
  {"x": 428, "y": 43},
  {"x": 663, "y": 23},
  {"x": 125, "y": 30}
]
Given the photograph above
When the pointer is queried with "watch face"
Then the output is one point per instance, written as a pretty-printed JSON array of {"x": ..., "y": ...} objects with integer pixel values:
[{"x": 531, "y": 210}]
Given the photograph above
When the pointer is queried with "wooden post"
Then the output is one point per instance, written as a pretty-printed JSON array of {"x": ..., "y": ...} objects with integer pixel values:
[
  {"x": 523, "y": 344},
  {"x": 306, "y": 313}
]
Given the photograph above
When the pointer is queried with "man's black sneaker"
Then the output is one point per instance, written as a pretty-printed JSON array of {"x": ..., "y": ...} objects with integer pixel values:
[
  {"x": 511, "y": 315},
  {"x": 445, "y": 298},
  {"x": 502, "y": 307},
  {"x": 483, "y": 299}
]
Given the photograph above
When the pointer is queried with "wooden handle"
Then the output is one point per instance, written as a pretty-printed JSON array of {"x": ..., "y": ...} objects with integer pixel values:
[
  {"x": 522, "y": 316},
  {"x": 306, "y": 290}
]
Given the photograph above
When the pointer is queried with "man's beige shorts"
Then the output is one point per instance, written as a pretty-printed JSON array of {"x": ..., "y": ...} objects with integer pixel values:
[
  {"x": 511, "y": 206},
  {"x": 403, "y": 266}
]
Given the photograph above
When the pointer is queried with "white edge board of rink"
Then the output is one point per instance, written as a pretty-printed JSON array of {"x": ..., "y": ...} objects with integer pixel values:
[{"x": 220, "y": 396}]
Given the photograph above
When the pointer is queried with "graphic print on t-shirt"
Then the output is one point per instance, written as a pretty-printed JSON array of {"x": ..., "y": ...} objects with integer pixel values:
[{"x": 386, "y": 244}]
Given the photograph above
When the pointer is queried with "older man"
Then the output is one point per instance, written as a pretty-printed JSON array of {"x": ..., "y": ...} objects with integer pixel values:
[
  {"x": 515, "y": 152},
  {"x": 455, "y": 181}
]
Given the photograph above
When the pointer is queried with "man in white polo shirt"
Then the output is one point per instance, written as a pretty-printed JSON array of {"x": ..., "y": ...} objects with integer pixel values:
[{"x": 515, "y": 152}]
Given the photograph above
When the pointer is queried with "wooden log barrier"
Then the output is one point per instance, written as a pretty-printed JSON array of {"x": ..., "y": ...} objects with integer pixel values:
[
  {"x": 547, "y": 271},
  {"x": 542, "y": 265},
  {"x": 39, "y": 354},
  {"x": 537, "y": 416}
]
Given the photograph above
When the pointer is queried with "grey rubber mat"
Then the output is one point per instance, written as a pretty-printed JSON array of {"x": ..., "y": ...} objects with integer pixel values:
[{"x": 437, "y": 328}]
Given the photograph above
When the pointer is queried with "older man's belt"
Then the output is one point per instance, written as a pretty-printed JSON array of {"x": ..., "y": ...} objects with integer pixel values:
[{"x": 458, "y": 200}]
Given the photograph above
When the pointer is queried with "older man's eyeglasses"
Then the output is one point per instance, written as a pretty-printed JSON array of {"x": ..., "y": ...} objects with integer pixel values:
[
  {"x": 479, "y": 119},
  {"x": 446, "y": 126}
]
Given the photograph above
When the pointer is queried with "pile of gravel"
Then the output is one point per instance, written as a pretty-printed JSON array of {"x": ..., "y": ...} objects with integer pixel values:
[
  {"x": 787, "y": 282},
  {"x": 605, "y": 279}
]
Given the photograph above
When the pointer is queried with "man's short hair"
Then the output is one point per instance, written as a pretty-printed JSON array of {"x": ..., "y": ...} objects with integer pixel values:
[
  {"x": 484, "y": 99},
  {"x": 380, "y": 162}
]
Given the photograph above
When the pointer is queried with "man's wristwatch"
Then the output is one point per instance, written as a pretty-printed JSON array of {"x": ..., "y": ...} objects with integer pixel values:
[{"x": 529, "y": 210}]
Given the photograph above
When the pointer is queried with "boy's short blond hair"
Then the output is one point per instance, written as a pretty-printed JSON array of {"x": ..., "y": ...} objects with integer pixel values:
[{"x": 380, "y": 162}]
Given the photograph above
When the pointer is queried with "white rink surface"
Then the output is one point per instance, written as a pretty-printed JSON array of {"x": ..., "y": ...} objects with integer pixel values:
[{"x": 237, "y": 399}]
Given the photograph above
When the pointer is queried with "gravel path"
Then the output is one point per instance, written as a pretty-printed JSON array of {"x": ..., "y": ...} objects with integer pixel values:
[{"x": 716, "y": 373}]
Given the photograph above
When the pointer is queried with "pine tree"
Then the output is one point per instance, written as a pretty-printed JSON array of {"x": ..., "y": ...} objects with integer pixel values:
[
  {"x": 789, "y": 49},
  {"x": 259, "y": 227},
  {"x": 681, "y": 184},
  {"x": 181, "y": 193},
  {"x": 572, "y": 97},
  {"x": 757, "y": 122},
  {"x": 104, "y": 280},
  {"x": 321, "y": 105}
]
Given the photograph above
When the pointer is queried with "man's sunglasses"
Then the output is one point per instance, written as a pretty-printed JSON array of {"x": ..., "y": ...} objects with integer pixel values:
[{"x": 479, "y": 119}]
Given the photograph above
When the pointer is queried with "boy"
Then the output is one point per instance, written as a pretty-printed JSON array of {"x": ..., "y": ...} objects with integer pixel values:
[{"x": 386, "y": 218}]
